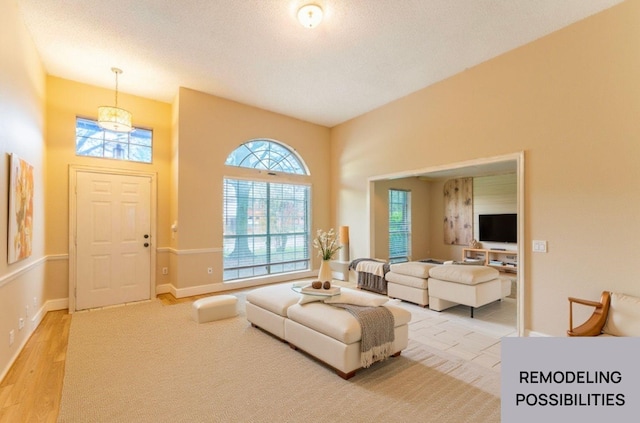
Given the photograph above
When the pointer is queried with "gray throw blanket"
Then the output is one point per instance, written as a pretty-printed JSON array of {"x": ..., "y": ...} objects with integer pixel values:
[
  {"x": 377, "y": 326},
  {"x": 354, "y": 264}
]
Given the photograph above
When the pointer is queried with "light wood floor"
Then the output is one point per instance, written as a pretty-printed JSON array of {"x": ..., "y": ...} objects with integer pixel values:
[{"x": 31, "y": 390}]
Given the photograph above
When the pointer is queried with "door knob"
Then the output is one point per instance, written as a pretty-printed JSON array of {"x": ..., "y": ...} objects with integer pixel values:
[{"x": 146, "y": 244}]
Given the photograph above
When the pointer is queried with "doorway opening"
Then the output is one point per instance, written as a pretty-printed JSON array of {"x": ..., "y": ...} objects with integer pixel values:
[{"x": 499, "y": 165}]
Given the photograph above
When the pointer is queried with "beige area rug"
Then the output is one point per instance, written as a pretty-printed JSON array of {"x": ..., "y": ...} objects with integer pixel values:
[{"x": 152, "y": 363}]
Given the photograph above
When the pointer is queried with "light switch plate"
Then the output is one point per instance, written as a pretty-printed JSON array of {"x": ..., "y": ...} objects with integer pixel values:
[{"x": 539, "y": 246}]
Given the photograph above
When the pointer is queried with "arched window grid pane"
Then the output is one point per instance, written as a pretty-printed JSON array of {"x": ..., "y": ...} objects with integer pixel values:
[
  {"x": 267, "y": 155},
  {"x": 283, "y": 163}
]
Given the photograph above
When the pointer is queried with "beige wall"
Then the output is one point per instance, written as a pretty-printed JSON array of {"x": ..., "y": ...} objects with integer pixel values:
[
  {"x": 571, "y": 102},
  {"x": 22, "y": 93},
  {"x": 420, "y": 216},
  {"x": 210, "y": 128}
]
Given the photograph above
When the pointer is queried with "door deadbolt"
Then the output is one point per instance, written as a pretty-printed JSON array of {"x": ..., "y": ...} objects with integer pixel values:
[{"x": 146, "y": 236}]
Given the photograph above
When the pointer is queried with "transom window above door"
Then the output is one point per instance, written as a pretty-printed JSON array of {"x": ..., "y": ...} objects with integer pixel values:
[{"x": 94, "y": 141}]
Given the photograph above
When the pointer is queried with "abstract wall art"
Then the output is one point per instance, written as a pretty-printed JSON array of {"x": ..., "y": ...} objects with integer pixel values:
[{"x": 20, "y": 210}]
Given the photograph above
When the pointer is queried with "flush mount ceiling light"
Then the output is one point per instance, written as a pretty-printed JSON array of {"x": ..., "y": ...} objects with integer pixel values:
[
  {"x": 113, "y": 118},
  {"x": 310, "y": 15}
]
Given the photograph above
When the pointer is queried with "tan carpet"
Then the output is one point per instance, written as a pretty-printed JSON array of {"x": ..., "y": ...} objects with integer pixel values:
[{"x": 152, "y": 363}]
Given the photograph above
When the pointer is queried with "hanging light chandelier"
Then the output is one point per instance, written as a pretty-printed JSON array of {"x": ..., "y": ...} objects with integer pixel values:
[{"x": 114, "y": 118}]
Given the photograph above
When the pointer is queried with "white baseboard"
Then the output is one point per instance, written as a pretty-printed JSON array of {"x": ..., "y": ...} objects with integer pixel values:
[
  {"x": 51, "y": 305},
  {"x": 165, "y": 288},
  {"x": 229, "y": 286},
  {"x": 15, "y": 356}
]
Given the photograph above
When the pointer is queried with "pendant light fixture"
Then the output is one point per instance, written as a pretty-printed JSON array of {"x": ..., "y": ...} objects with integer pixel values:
[
  {"x": 310, "y": 15},
  {"x": 114, "y": 118}
]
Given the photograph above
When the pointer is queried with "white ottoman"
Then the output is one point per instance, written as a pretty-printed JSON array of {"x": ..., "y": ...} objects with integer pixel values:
[
  {"x": 267, "y": 306},
  {"x": 453, "y": 284},
  {"x": 214, "y": 308},
  {"x": 333, "y": 335}
]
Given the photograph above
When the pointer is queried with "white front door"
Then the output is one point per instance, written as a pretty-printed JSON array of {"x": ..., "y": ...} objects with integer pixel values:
[{"x": 113, "y": 239}]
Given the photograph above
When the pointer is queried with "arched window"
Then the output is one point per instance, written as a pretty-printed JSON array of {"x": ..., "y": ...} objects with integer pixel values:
[
  {"x": 268, "y": 155},
  {"x": 266, "y": 223}
]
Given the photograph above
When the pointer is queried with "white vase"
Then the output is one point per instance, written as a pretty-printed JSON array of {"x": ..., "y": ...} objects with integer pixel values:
[{"x": 325, "y": 271}]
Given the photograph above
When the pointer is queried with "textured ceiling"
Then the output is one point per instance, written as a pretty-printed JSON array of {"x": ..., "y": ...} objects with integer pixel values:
[{"x": 363, "y": 55}]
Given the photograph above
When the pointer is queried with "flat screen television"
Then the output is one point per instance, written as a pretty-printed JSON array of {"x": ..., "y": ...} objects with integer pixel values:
[{"x": 498, "y": 227}]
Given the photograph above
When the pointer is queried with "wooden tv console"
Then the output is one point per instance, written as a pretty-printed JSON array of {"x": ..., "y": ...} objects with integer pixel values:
[{"x": 503, "y": 260}]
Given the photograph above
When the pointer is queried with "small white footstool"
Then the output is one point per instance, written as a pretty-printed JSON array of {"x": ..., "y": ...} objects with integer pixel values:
[{"x": 214, "y": 308}]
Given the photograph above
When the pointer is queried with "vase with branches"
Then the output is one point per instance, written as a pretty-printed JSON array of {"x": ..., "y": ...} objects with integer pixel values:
[{"x": 327, "y": 245}]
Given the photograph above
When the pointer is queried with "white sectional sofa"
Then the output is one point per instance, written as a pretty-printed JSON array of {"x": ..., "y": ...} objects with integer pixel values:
[
  {"x": 408, "y": 281},
  {"x": 444, "y": 286},
  {"x": 330, "y": 334}
]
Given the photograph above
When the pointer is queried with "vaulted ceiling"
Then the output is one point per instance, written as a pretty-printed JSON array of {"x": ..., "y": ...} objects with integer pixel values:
[{"x": 363, "y": 55}]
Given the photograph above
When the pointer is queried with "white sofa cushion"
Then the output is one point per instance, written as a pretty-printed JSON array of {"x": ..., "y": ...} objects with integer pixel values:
[
  {"x": 623, "y": 318},
  {"x": 461, "y": 273},
  {"x": 412, "y": 268},
  {"x": 336, "y": 322},
  {"x": 406, "y": 280},
  {"x": 274, "y": 298}
]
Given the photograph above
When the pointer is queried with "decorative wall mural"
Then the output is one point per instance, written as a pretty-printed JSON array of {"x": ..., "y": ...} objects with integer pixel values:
[
  {"x": 458, "y": 211},
  {"x": 20, "y": 210}
]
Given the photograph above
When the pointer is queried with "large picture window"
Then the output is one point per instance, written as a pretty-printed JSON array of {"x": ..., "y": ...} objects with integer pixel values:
[
  {"x": 266, "y": 224},
  {"x": 266, "y": 228},
  {"x": 399, "y": 225}
]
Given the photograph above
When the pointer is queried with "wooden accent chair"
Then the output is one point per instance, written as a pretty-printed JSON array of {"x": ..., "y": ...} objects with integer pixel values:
[{"x": 593, "y": 326}]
